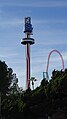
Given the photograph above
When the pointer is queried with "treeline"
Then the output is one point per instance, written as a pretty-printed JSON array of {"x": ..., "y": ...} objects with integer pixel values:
[{"x": 45, "y": 100}]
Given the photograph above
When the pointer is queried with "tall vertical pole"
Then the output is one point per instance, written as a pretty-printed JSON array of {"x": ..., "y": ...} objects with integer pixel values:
[
  {"x": 28, "y": 41},
  {"x": 28, "y": 65}
]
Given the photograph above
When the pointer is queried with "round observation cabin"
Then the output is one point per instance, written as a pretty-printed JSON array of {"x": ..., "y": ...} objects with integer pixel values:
[{"x": 25, "y": 41}]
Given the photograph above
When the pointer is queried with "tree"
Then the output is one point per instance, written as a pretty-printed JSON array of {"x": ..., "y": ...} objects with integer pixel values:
[
  {"x": 41, "y": 102},
  {"x": 14, "y": 88},
  {"x": 5, "y": 77},
  {"x": 5, "y": 80},
  {"x": 57, "y": 91}
]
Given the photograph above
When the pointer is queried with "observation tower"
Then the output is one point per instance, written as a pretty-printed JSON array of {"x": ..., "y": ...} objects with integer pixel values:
[{"x": 27, "y": 41}]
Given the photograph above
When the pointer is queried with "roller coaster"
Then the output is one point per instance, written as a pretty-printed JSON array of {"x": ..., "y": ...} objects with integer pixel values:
[{"x": 47, "y": 75}]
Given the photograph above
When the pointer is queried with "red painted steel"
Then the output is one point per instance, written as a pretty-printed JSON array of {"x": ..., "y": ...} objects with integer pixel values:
[
  {"x": 27, "y": 65},
  {"x": 49, "y": 59}
]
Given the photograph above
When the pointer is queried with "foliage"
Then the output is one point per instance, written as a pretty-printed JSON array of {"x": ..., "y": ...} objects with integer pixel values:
[
  {"x": 34, "y": 104},
  {"x": 5, "y": 77}
]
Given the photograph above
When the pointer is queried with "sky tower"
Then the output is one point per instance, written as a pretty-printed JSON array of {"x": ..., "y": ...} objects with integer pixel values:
[{"x": 27, "y": 41}]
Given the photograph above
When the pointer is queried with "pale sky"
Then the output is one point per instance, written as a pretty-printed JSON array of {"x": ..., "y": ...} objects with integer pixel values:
[{"x": 49, "y": 20}]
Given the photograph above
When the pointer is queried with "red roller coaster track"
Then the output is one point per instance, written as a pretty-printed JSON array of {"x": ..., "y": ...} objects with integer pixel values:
[{"x": 49, "y": 59}]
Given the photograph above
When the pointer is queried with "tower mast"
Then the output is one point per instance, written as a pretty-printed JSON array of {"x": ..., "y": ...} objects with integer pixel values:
[{"x": 27, "y": 41}]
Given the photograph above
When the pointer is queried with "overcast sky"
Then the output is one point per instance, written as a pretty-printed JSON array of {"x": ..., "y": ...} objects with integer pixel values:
[{"x": 49, "y": 20}]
